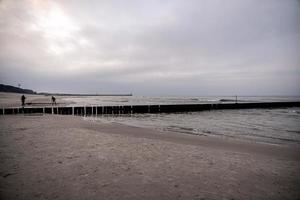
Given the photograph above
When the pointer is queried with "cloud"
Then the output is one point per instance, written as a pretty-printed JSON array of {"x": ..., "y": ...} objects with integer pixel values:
[{"x": 154, "y": 47}]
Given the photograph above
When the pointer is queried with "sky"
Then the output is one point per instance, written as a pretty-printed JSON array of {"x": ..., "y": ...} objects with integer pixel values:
[{"x": 153, "y": 47}]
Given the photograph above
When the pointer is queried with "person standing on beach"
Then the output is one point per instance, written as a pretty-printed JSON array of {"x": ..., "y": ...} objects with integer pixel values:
[
  {"x": 23, "y": 100},
  {"x": 53, "y": 100}
]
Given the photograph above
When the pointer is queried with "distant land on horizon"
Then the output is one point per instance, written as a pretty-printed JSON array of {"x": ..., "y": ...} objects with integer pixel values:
[{"x": 10, "y": 88}]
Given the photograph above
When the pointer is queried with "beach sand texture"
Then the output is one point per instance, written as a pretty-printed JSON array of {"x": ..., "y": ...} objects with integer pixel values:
[{"x": 67, "y": 157}]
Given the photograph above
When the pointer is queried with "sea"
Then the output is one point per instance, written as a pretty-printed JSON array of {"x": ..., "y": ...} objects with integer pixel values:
[{"x": 280, "y": 126}]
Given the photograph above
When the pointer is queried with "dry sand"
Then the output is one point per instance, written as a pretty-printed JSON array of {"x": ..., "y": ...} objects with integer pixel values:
[{"x": 66, "y": 157}]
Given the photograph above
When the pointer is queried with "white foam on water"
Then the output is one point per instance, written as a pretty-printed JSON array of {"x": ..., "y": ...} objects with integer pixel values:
[{"x": 274, "y": 126}]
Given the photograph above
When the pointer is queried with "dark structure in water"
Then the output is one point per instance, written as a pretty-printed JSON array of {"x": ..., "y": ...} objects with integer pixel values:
[{"x": 131, "y": 109}]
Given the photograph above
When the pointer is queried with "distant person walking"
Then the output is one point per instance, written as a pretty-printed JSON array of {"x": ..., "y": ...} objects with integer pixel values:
[
  {"x": 53, "y": 100},
  {"x": 23, "y": 100}
]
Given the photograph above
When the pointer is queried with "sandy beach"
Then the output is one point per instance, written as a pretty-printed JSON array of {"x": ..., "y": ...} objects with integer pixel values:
[
  {"x": 14, "y": 100},
  {"x": 149, "y": 100},
  {"x": 67, "y": 157}
]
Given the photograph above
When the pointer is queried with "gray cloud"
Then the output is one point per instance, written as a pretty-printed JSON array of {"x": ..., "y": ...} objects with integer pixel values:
[{"x": 154, "y": 47}]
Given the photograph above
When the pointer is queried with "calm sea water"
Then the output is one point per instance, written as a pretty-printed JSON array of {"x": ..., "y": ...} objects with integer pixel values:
[{"x": 274, "y": 126}]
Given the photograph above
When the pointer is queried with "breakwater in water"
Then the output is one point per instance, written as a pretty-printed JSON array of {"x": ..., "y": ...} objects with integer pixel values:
[{"x": 131, "y": 109}]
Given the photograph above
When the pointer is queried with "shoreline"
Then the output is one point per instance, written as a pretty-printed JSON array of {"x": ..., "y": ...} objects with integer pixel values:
[
  {"x": 204, "y": 135},
  {"x": 67, "y": 157},
  {"x": 220, "y": 143},
  {"x": 14, "y": 100}
]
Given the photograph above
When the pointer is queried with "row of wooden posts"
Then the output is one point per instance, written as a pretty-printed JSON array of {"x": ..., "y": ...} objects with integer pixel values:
[{"x": 132, "y": 109}]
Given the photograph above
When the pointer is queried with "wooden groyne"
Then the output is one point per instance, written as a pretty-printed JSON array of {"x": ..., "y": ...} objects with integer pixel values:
[{"x": 128, "y": 109}]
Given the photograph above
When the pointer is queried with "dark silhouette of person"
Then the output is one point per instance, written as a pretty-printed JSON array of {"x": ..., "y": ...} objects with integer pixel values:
[
  {"x": 23, "y": 100},
  {"x": 53, "y": 100}
]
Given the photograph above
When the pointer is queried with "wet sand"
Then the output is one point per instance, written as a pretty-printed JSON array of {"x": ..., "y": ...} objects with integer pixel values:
[
  {"x": 66, "y": 157},
  {"x": 14, "y": 100}
]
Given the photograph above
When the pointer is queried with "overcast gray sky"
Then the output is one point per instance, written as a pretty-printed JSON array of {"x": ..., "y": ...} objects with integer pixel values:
[{"x": 152, "y": 47}]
